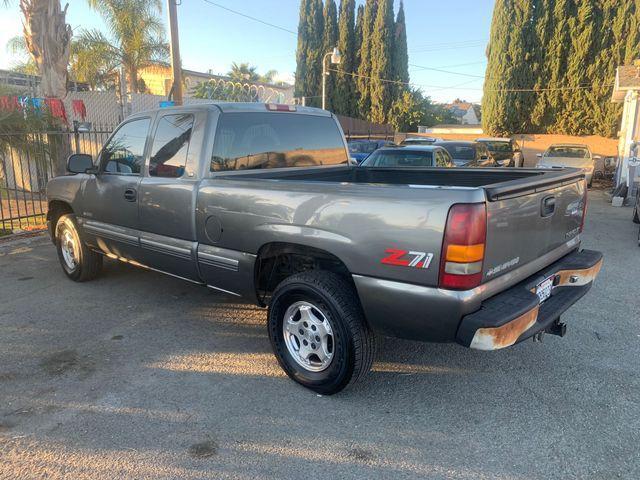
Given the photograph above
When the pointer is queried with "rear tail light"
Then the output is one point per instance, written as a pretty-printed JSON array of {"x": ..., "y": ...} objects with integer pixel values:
[
  {"x": 463, "y": 246},
  {"x": 584, "y": 206},
  {"x": 280, "y": 107}
]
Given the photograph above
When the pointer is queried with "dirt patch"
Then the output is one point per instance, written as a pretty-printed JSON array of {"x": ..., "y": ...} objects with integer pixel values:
[
  {"x": 8, "y": 376},
  {"x": 60, "y": 362},
  {"x": 203, "y": 449},
  {"x": 361, "y": 454},
  {"x": 5, "y": 427}
]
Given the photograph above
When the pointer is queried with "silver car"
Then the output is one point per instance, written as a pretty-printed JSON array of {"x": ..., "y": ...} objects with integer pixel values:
[{"x": 574, "y": 155}]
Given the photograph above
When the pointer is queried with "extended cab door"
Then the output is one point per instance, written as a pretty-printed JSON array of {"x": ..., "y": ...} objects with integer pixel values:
[
  {"x": 168, "y": 194},
  {"x": 109, "y": 214}
]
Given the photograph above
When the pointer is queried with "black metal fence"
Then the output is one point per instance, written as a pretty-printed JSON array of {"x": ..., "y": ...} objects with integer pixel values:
[{"x": 28, "y": 161}]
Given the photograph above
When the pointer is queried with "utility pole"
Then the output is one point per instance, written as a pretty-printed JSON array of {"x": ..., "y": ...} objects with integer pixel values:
[{"x": 175, "y": 51}]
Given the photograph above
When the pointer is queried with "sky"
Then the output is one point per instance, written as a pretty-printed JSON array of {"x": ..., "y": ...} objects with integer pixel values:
[{"x": 443, "y": 35}]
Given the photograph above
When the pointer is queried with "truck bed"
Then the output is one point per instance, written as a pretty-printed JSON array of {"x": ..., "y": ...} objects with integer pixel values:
[{"x": 497, "y": 182}]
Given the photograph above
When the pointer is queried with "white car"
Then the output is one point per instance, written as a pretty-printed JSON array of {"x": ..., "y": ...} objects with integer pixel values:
[{"x": 573, "y": 155}]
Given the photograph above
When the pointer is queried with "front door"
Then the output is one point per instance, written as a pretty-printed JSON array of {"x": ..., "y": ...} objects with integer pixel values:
[
  {"x": 167, "y": 196},
  {"x": 110, "y": 216}
]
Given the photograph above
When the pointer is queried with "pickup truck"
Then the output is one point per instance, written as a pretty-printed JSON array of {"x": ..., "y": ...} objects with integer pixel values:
[{"x": 258, "y": 202}]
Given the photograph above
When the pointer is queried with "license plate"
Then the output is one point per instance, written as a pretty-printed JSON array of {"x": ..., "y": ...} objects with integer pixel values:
[{"x": 543, "y": 289}]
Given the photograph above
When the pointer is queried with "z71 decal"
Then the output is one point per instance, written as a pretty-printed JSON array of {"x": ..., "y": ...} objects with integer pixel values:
[{"x": 406, "y": 258}]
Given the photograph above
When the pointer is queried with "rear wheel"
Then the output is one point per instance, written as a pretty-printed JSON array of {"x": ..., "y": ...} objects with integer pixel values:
[
  {"x": 78, "y": 261},
  {"x": 318, "y": 331},
  {"x": 636, "y": 208}
]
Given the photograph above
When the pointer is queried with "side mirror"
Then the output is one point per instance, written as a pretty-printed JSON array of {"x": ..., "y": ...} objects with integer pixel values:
[
  {"x": 79, "y": 163},
  {"x": 539, "y": 155},
  {"x": 353, "y": 162}
]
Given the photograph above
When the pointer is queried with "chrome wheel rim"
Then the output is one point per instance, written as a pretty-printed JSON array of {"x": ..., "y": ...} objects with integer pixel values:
[
  {"x": 69, "y": 249},
  {"x": 308, "y": 335}
]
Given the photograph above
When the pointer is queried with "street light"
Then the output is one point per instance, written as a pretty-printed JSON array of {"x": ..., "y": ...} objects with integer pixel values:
[{"x": 335, "y": 59}]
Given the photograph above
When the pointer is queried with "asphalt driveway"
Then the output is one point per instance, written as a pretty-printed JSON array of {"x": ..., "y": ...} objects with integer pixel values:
[{"x": 140, "y": 375}]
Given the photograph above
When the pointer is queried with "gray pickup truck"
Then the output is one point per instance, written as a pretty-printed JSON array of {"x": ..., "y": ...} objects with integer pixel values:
[{"x": 260, "y": 203}]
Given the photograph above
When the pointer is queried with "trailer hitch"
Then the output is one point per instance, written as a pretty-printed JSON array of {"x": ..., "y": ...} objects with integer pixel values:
[{"x": 557, "y": 328}]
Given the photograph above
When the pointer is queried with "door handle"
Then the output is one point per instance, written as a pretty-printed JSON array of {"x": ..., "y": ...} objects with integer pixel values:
[
  {"x": 130, "y": 195},
  {"x": 548, "y": 206}
]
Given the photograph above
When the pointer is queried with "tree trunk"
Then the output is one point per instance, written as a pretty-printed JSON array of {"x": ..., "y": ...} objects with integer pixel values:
[
  {"x": 48, "y": 39},
  {"x": 133, "y": 80}
]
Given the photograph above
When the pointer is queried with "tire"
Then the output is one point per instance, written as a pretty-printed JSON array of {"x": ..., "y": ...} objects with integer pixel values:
[
  {"x": 78, "y": 261},
  {"x": 636, "y": 215},
  {"x": 590, "y": 184},
  {"x": 322, "y": 298}
]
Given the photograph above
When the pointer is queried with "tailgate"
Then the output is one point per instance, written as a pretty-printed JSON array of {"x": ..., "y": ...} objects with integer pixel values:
[{"x": 525, "y": 225}]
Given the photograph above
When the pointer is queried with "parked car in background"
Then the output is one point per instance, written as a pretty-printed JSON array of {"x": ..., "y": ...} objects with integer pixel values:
[
  {"x": 420, "y": 141},
  {"x": 409, "y": 156},
  {"x": 574, "y": 155},
  {"x": 361, "y": 149},
  {"x": 505, "y": 151},
  {"x": 468, "y": 154}
]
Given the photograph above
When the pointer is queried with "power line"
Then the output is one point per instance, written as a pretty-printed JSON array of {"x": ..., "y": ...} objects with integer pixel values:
[
  {"x": 504, "y": 90},
  {"x": 445, "y": 71},
  {"x": 250, "y": 17}
]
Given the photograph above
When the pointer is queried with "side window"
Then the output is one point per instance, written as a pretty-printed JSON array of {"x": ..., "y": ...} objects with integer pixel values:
[
  {"x": 170, "y": 146},
  {"x": 124, "y": 153},
  {"x": 448, "y": 161},
  {"x": 245, "y": 141}
]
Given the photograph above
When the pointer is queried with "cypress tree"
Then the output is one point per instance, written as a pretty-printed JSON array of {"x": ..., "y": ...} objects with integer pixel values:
[
  {"x": 313, "y": 62},
  {"x": 358, "y": 33},
  {"x": 364, "y": 66},
  {"x": 344, "y": 101},
  {"x": 300, "y": 89},
  {"x": 543, "y": 31},
  {"x": 509, "y": 55},
  {"x": 400, "y": 55},
  {"x": 330, "y": 41},
  {"x": 576, "y": 117},
  {"x": 382, "y": 66}
]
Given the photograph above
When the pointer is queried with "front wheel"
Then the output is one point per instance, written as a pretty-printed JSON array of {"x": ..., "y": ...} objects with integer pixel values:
[
  {"x": 318, "y": 331},
  {"x": 78, "y": 261}
]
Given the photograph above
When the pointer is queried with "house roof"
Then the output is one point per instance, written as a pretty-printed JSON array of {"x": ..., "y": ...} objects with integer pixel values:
[{"x": 627, "y": 78}]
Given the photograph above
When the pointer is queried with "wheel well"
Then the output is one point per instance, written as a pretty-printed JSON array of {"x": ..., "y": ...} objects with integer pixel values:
[
  {"x": 277, "y": 261},
  {"x": 56, "y": 209}
]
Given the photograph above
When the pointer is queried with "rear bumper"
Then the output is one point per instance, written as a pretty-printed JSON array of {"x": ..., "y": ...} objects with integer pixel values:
[{"x": 516, "y": 314}]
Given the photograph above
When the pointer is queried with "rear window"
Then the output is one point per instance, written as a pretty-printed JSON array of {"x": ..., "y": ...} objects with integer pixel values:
[
  {"x": 396, "y": 158},
  {"x": 246, "y": 141},
  {"x": 502, "y": 147},
  {"x": 362, "y": 147},
  {"x": 461, "y": 152},
  {"x": 567, "y": 152}
]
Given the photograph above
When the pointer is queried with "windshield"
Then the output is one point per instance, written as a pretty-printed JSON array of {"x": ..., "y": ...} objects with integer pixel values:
[
  {"x": 399, "y": 158},
  {"x": 567, "y": 152},
  {"x": 362, "y": 147},
  {"x": 502, "y": 147},
  {"x": 461, "y": 152}
]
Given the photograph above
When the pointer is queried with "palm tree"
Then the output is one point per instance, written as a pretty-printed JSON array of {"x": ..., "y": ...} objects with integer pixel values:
[
  {"x": 47, "y": 37},
  {"x": 245, "y": 73},
  {"x": 135, "y": 41}
]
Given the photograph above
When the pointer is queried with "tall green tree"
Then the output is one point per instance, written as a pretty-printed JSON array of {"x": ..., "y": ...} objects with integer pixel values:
[
  {"x": 301, "y": 87},
  {"x": 344, "y": 100},
  {"x": 363, "y": 80},
  {"x": 329, "y": 42},
  {"x": 506, "y": 108},
  {"x": 135, "y": 39},
  {"x": 382, "y": 66},
  {"x": 310, "y": 43},
  {"x": 400, "y": 55}
]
